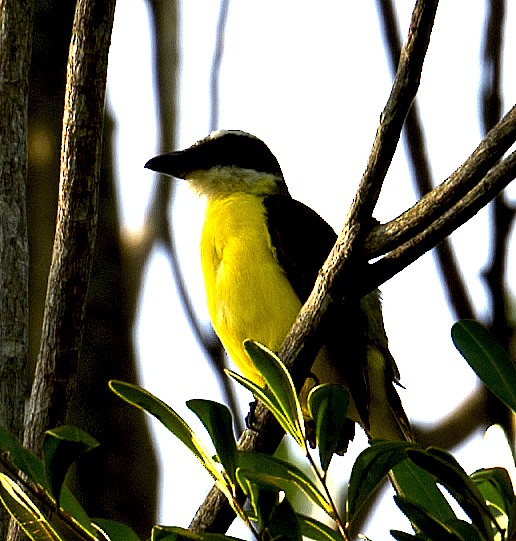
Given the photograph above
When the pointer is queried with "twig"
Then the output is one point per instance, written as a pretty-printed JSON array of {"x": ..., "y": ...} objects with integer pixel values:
[
  {"x": 499, "y": 177},
  {"x": 389, "y": 236},
  {"x": 338, "y": 272},
  {"x": 216, "y": 63},
  {"x": 76, "y": 221},
  {"x": 455, "y": 288}
]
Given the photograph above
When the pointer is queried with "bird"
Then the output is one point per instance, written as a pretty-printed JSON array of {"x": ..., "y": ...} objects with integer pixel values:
[{"x": 261, "y": 251}]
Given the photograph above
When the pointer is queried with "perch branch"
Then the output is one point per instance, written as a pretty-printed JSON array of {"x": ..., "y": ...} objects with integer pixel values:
[
  {"x": 453, "y": 282},
  {"x": 215, "y": 513}
]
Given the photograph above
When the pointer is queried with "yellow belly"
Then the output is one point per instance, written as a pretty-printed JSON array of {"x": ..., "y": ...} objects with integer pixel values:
[{"x": 248, "y": 294}]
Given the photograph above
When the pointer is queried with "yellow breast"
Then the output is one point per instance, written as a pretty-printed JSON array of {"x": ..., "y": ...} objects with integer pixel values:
[{"x": 248, "y": 293}]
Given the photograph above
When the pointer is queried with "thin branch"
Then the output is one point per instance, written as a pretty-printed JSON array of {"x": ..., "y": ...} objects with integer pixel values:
[
  {"x": 158, "y": 227},
  {"x": 502, "y": 214},
  {"x": 458, "y": 425},
  {"x": 436, "y": 215},
  {"x": 76, "y": 221},
  {"x": 404, "y": 89},
  {"x": 387, "y": 237},
  {"x": 342, "y": 266},
  {"x": 495, "y": 181},
  {"x": 455, "y": 288},
  {"x": 217, "y": 61}
]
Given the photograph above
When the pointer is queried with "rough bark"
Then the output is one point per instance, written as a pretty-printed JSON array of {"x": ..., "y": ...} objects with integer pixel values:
[
  {"x": 16, "y": 18},
  {"x": 76, "y": 221}
]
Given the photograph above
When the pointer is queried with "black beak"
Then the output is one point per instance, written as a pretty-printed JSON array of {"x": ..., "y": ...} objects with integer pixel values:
[{"x": 173, "y": 164}]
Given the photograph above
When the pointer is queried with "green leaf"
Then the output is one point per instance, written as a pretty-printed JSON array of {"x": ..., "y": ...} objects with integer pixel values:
[
  {"x": 328, "y": 406},
  {"x": 218, "y": 422},
  {"x": 28, "y": 516},
  {"x": 450, "y": 474},
  {"x": 274, "y": 472},
  {"x": 28, "y": 463},
  {"x": 418, "y": 486},
  {"x": 146, "y": 401},
  {"x": 403, "y": 536},
  {"x": 62, "y": 446},
  {"x": 410, "y": 481},
  {"x": 262, "y": 498},
  {"x": 495, "y": 485},
  {"x": 22, "y": 458},
  {"x": 174, "y": 533},
  {"x": 115, "y": 531},
  {"x": 511, "y": 528},
  {"x": 370, "y": 469},
  {"x": 313, "y": 529},
  {"x": 279, "y": 394},
  {"x": 283, "y": 524},
  {"x": 424, "y": 522},
  {"x": 466, "y": 531},
  {"x": 487, "y": 358}
]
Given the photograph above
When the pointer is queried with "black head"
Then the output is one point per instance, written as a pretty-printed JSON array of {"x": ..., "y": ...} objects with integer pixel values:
[{"x": 221, "y": 148}]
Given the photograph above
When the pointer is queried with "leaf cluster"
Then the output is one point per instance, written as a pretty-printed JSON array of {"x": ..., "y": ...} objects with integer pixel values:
[{"x": 34, "y": 493}]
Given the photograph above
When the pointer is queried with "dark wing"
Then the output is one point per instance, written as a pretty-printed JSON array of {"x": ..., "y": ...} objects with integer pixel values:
[{"x": 303, "y": 240}]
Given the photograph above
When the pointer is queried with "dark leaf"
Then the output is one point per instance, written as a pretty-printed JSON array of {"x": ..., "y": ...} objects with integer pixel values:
[
  {"x": 418, "y": 486},
  {"x": 370, "y": 469},
  {"x": 283, "y": 523},
  {"x": 313, "y": 529},
  {"x": 328, "y": 406},
  {"x": 404, "y": 536},
  {"x": 218, "y": 422},
  {"x": 115, "y": 531},
  {"x": 450, "y": 474},
  {"x": 488, "y": 359},
  {"x": 280, "y": 474},
  {"x": 62, "y": 446},
  {"x": 423, "y": 522}
]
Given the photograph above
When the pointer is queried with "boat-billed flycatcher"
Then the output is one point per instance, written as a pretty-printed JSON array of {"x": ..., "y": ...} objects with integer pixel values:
[{"x": 261, "y": 251}]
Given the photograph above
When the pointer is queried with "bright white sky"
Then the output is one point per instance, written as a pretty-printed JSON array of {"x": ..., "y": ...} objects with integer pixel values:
[{"x": 312, "y": 84}]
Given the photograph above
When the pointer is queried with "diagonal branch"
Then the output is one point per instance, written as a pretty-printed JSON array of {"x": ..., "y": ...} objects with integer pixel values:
[
  {"x": 441, "y": 199},
  {"x": 446, "y": 222},
  {"x": 215, "y": 513},
  {"x": 401, "y": 241},
  {"x": 454, "y": 285},
  {"x": 341, "y": 268}
]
